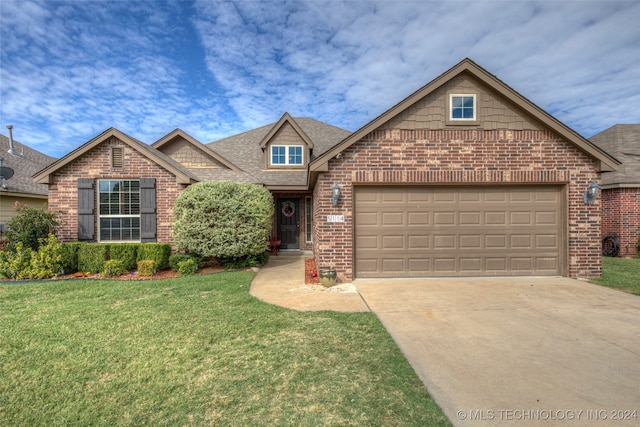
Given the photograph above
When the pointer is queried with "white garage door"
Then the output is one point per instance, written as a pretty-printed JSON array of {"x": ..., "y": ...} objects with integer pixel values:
[{"x": 403, "y": 231}]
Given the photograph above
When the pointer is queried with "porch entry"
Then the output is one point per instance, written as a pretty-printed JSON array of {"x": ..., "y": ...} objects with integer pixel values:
[{"x": 288, "y": 214}]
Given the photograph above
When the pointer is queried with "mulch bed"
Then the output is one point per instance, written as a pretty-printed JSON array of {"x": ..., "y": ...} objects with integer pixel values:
[{"x": 310, "y": 272}]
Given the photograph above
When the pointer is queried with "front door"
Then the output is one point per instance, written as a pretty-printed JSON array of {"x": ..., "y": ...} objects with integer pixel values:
[{"x": 289, "y": 223}]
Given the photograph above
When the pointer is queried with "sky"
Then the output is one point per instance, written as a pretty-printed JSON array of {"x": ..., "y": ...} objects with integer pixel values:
[{"x": 69, "y": 70}]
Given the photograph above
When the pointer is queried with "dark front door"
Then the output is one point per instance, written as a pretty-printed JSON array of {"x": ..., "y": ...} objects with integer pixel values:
[{"x": 289, "y": 223}]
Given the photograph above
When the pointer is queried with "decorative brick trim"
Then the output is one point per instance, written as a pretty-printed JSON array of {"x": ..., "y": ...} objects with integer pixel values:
[{"x": 459, "y": 177}]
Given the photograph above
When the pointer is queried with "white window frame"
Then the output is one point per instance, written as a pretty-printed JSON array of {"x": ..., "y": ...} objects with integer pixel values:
[
  {"x": 287, "y": 155},
  {"x": 101, "y": 216},
  {"x": 475, "y": 107}
]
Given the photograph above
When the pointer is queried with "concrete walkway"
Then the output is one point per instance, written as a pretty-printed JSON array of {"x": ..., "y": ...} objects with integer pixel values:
[
  {"x": 496, "y": 351},
  {"x": 281, "y": 282}
]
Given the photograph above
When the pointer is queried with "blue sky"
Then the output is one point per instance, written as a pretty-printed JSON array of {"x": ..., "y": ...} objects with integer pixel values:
[{"x": 71, "y": 69}]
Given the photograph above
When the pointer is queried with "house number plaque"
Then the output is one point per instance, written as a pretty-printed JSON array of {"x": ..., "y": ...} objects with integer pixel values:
[{"x": 335, "y": 218}]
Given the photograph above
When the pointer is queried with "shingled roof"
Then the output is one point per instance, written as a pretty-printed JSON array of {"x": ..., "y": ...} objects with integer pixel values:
[
  {"x": 623, "y": 143},
  {"x": 245, "y": 151},
  {"x": 25, "y": 163}
]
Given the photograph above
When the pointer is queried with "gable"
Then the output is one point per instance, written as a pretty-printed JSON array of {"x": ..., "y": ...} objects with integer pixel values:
[
  {"x": 456, "y": 77},
  {"x": 185, "y": 153},
  {"x": 124, "y": 141},
  {"x": 493, "y": 111}
]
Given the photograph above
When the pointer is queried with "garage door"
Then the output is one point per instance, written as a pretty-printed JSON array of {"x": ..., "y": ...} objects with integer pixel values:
[{"x": 459, "y": 231}]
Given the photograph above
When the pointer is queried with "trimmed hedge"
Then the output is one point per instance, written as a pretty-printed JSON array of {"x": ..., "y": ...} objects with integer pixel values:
[
  {"x": 126, "y": 253},
  {"x": 159, "y": 252},
  {"x": 146, "y": 267},
  {"x": 70, "y": 256},
  {"x": 92, "y": 256}
]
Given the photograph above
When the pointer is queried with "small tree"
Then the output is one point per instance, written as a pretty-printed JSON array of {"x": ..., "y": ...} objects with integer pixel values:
[
  {"x": 223, "y": 219},
  {"x": 31, "y": 226}
]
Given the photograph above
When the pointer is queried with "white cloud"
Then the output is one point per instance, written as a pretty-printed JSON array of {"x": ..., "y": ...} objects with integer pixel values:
[{"x": 72, "y": 69}]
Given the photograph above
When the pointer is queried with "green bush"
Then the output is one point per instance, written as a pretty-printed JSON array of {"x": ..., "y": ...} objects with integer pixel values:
[
  {"x": 92, "y": 256},
  {"x": 159, "y": 252},
  {"x": 187, "y": 267},
  {"x": 16, "y": 264},
  {"x": 70, "y": 256},
  {"x": 244, "y": 262},
  {"x": 126, "y": 253},
  {"x": 25, "y": 263},
  {"x": 146, "y": 267},
  {"x": 176, "y": 258},
  {"x": 30, "y": 227},
  {"x": 223, "y": 219},
  {"x": 113, "y": 267}
]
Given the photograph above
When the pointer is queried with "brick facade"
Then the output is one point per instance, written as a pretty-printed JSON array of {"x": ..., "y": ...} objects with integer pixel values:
[
  {"x": 459, "y": 157},
  {"x": 621, "y": 217},
  {"x": 63, "y": 192}
]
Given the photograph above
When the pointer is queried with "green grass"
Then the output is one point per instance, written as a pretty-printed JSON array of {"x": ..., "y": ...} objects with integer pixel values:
[
  {"x": 620, "y": 273},
  {"x": 197, "y": 350}
]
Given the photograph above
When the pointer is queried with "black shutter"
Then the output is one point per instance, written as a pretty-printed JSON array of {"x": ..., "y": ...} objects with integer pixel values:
[
  {"x": 148, "y": 210},
  {"x": 86, "y": 214}
]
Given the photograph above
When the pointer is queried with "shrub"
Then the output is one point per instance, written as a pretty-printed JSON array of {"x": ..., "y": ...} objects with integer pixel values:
[
  {"x": 223, "y": 219},
  {"x": 70, "y": 256},
  {"x": 126, "y": 253},
  {"x": 16, "y": 263},
  {"x": 176, "y": 258},
  {"x": 47, "y": 260},
  {"x": 25, "y": 263},
  {"x": 92, "y": 256},
  {"x": 187, "y": 267},
  {"x": 113, "y": 267},
  {"x": 30, "y": 226},
  {"x": 244, "y": 262},
  {"x": 159, "y": 252},
  {"x": 146, "y": 267}
]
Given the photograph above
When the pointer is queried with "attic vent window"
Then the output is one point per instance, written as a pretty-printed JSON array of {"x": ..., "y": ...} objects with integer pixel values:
[
  {"x": 462, "y": 107},
  {"x": 117, "y": 157}
]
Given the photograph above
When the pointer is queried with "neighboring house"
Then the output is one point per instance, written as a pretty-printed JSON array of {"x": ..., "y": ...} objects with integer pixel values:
[
  {"x": 24, "y": 162},
  {"x": 621, "y": 189},
  {"x": 465, "y": 177}
]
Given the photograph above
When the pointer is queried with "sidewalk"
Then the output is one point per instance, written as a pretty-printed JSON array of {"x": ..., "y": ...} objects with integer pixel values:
[{"x": 281, "y": 282}]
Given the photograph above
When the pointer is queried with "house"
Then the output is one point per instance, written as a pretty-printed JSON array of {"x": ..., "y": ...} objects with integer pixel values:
[
  {"x": 24, "y": 162},
  {"x": 621, "y": 188},
  {"x": 465, "y": 177}
]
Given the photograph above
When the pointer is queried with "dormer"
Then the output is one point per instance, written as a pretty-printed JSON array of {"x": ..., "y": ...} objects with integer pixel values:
[{"x": 286, "y": 146}]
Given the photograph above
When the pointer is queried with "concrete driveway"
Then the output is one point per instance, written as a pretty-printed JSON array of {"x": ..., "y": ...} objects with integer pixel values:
[{"x": 517, "y": 351}]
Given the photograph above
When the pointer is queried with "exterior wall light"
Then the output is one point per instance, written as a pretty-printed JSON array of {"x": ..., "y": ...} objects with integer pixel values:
[
  {"x": 591, "y": 193},
  {"x": 335, "y": 194}
]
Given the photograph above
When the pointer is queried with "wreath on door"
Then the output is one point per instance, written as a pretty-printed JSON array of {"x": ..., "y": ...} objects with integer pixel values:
[{"x": 288, "y": 209}]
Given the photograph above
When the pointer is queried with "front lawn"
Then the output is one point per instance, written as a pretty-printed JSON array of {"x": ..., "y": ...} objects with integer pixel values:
[
  {"x": 196, "y": 350},
  {"x": 620, "y": 273}
]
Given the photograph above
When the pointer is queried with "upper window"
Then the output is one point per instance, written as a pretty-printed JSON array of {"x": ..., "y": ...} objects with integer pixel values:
[
  {"x": 286, "y": 155},
  {"x": 119, "y": 210},
  {"x": 462, "y": 107}
]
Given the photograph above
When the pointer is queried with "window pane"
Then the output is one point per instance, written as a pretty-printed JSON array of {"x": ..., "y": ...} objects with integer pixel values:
[
  {"x": 278, "y": 156},
  {"x": 295, "y": 155},
  {"x": 119, "y": 197},
  {"x": 462, "y": 107}
]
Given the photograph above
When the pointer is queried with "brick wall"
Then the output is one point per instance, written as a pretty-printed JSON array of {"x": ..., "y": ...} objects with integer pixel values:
[
  {"x": 621, "y": 217},
  {"x": 63, "y": 193},
  {"x": 460, "y": 157}
]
